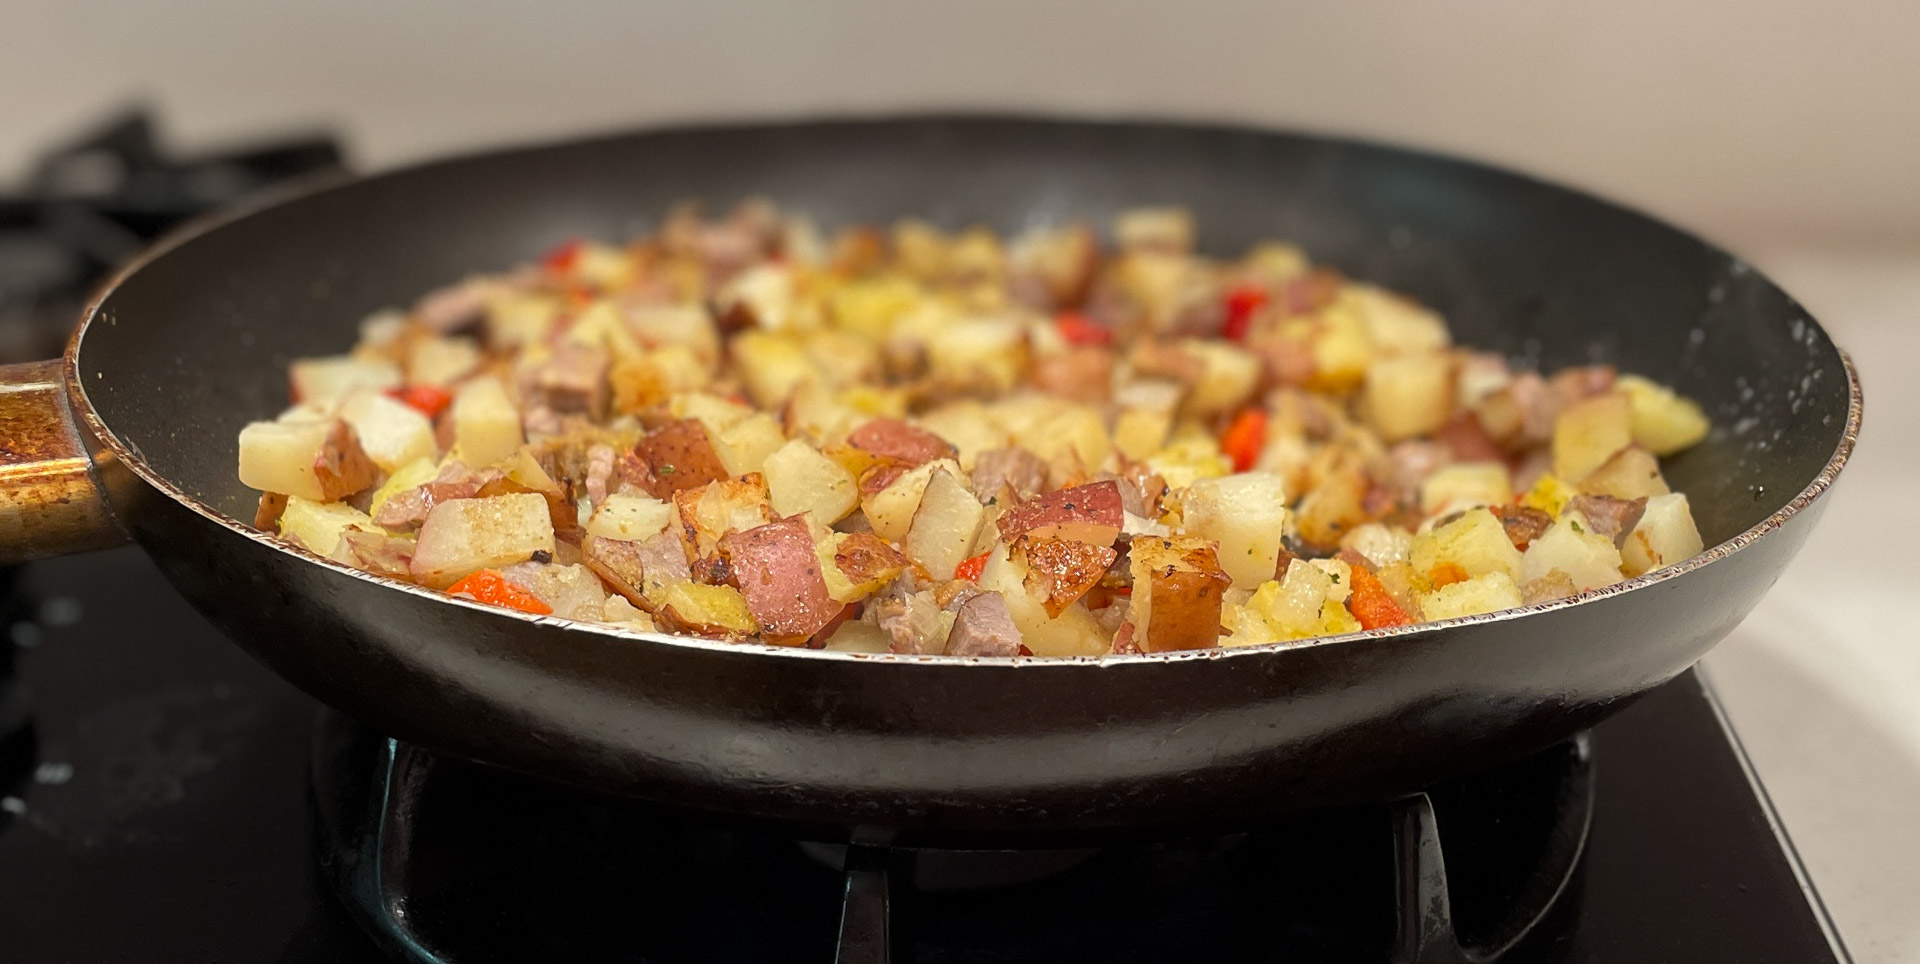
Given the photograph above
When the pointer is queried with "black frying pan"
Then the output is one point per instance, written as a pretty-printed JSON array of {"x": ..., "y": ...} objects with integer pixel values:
[{"x": 192, "y": 341}]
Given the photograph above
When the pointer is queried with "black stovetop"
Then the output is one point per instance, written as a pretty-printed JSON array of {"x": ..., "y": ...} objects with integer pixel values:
[{"x": 166, "y": 814}]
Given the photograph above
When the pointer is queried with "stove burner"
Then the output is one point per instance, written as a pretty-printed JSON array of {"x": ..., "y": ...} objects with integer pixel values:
[{"x": 449, "y": 862}]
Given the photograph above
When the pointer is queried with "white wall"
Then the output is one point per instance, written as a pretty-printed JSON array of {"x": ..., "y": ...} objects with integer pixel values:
[{"x": 1756, "y": 122}]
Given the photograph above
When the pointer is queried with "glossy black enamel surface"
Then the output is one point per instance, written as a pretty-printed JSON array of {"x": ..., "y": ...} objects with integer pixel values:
[{"x": 193, "y": 344}]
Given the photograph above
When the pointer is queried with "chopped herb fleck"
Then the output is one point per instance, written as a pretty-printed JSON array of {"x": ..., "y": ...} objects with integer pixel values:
[
  {"x": 1575, "y": 525},
  {"x": 666, "y": 470},
  {"x": 542, "y": 555}
]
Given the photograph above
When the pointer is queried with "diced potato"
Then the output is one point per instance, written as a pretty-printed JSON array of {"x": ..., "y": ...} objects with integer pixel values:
[
  {"x": 854, "y": 636},
  {"x": 1246, "y": 515},
  {"x": 1408, "y": 395},
  {"x": 1663, "y": 422},
  {"x": 968, "y": 427},
  {"x": 708, "y": 610},
  {"x": 1189, "y": 457},
  {"x": 326, "y": 380},
  {"x": 1178, "y": 587},
  {"x": 1293, "y": 607},
  {"x": 318, "y": 525},
  {"x": 391, "y": 433},
  {"x": 617, "y": 611},
  {"x": 1632, "y": 473},
  {"x": 601, "y": 326},
  {"x": 571, "y": 591},
  {"x": 486, "y": 425},
  {"x": 716, "y": 413},
  {"x": 1074, "y": 632},
  {"x": 1228, "y": 377},
  {"x": 315, "y": 460},
  {"x": 773, "y": 365},
  {"x": 978, "y": 355},
  {"x": 1476, "y": 542},
  {"x": 409, "y": 476},
  {"x": 520, "y": 318},
  {"x": 1397, "y": 326},
  {"x": 1665, "y": 535},
  {"x": 1060, "y": 571},
  {"x": 1382, "y": 545},
  {"x": 684, "y": 326},
  {"x": 710, "y": 512},
  {"x": 765, "y": 291},
  {"x": 441, "y": 361},
  {"x": 890, "y": 510},
  {"x": 943, "y": 526},
  {"x": 856, "y": 565},
  {"x": 1342, "y": 350},
  {"x": 629, "y": 517},
  {"x": 1075, "y": 433},
  {"x": 744, "y": 447},
  {"x": 871, "y": 307},
  {"x": 681, "y": 456},
  {"x": 1140, "y": 432},
  {"x": 463, "y": 536},
  {"x": 778, "y": 571},
  {"x": 1549, "y": 494},
  {"x": 1487, "y": 593},
  {"x": 642, "y": 381},
  {"x": 1466, "y": 484},
  {"x": 1572, "y": 547},
  {"x": 1588, "y": 433},
  {"x": 800, "y": 479},
  {"x": 1155, "y": 228},
  {"x": 1090, "y": 513},
  {"x": 1332, "y": 508}
]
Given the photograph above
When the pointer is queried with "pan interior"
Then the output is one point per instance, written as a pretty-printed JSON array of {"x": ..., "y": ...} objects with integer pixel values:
[{"x": 195, "y": 344}]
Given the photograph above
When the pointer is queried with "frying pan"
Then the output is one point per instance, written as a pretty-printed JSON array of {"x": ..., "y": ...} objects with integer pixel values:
[{"x": 134, "y": 432}]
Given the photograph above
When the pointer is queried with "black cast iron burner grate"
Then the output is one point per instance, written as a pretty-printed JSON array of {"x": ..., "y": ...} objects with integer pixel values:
[{"x": 449, "y": 862}]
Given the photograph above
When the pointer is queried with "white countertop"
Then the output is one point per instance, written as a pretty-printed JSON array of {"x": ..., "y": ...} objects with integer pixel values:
[{"x": 1823, "y": 680}]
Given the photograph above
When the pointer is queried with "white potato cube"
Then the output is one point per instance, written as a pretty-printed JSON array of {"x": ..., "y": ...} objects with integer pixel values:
[
  {"x": 1665, "y": 535},
  {"x": 1588, "y": 432},
  {"x": 1486, "y": 593},
  {"x": 280, "y": 457},
  {"x": 1572, "y": 547},
  {"x": 1246, "y": 515},
  {"x": 800, "y": 479},
  {"x": 1466, "y": 484},
  {"x": 629, "y": 517},
  {"x": 391, "y": 432},
  {"x": 325, "y": 380},
  {"x": 944, "y": 525},
  {"x": 486, "y": 424},
  {"x": 1409, "y": 395},
  {"x": 1476, "y": 542},
  {"x": 1663, "y": 422},
  {"x": 441, "y": 361},
  {"x": 318, "y": 525},
  {"x": 463, "y": 536}
]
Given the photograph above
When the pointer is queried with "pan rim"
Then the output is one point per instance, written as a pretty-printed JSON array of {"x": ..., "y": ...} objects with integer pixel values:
[{"x": 122, "y": 453}]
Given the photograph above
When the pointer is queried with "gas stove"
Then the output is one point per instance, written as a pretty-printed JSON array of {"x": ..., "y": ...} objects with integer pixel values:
[{"x": 172, "y": 800}]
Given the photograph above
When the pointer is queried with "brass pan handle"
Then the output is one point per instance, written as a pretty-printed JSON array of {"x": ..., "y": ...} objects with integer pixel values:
[{"x": 51, "y": 502}]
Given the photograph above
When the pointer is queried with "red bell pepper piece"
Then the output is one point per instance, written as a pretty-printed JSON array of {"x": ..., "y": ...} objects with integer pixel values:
[
  {"x": 1078, "y": 330},
  {"x": 560, "y": 260},
  {"x": 1245, "y": 437},
  {"x": 428, "y": 400},
  {"x": 492, "y": 588},
  {"x": 970, "y": 569},
  {"x": 1371, "y": 604},
  {"x": 1242, "y": 302}
]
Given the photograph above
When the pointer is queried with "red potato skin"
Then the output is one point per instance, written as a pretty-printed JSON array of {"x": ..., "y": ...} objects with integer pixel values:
[
  {"x": 779, "y": 574},
  {"x": 1084, "y": 513},
  {"x": 866, "y": 558},
  {"x": 679, "y": 456},
  {"x": 1060, "y": 571},
  {"x": 893, "y": 439}
]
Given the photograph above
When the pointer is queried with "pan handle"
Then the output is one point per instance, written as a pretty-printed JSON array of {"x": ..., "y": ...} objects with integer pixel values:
[{"x": 51, "y": 501}]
